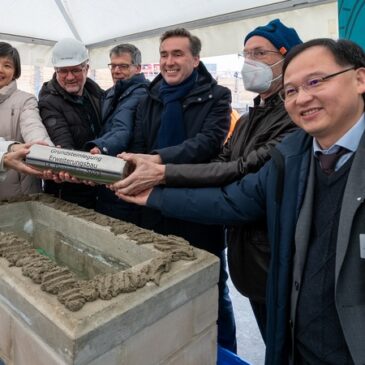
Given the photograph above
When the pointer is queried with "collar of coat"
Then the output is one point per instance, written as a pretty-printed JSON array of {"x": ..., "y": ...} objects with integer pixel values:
[
  {"x": 272, "y": 100},
  {"x": 123, "y": 86},
  {"x": 7, "y": 90},
  {"x": 205, "y": 81},
  {"x": 53, "y": 87}
]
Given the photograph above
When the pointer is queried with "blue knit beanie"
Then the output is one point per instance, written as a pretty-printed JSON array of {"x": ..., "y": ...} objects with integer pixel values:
[{"x": 282, "y": 37}]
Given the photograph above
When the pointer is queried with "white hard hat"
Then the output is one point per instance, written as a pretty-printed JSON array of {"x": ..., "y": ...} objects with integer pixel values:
[{"x": 69, "y": 52}]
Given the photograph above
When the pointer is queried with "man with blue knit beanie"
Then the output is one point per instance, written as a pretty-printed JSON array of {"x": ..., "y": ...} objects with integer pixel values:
[
  {"x": 256, "y": 132},
  {"x": 282, "y": 37}
]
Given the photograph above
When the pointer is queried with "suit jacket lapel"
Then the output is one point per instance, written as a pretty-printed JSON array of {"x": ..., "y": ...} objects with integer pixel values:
[
  {"x": 353, "y": 197},
  {"x": 303, "y": 228}
]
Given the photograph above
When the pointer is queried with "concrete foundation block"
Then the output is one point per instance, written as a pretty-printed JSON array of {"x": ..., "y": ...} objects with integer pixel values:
[{"x": 169, "y": 317}]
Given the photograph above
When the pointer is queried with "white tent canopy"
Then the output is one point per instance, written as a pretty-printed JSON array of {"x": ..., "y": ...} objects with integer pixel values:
[{"x": 34, "y": 26}]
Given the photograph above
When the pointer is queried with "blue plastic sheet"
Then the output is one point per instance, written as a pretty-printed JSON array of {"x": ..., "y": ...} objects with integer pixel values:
[{"x": 226, "y": 357}]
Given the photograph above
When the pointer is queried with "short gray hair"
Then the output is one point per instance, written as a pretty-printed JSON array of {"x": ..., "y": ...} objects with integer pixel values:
[{"x": 127, "y": 48}]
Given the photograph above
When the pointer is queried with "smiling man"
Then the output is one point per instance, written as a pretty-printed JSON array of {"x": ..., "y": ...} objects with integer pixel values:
[
  {"x": 70, "y": 105},
  {"x": 185, "y": 119},
  {"x": 118, "y": 113},
  {"x": 121, "y": 100},
  {"x": 312, "y": 195}
]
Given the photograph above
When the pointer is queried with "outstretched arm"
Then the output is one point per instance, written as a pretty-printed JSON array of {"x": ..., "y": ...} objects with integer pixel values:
[
  {"x": 242, "y": 201},
  {"x": 143, "y": 172}
]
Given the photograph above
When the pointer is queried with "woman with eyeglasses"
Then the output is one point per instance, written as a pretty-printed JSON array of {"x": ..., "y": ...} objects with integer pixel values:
[{"x": 19, "y": 121}]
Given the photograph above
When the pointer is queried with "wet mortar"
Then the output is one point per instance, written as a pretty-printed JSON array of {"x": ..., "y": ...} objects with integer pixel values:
[{"x": 72, "y": 289}]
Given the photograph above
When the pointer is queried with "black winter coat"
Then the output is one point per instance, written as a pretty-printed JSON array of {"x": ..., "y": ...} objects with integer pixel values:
[
  {"x": 206, "y": 114},
  {"x": 70, "y": 124},
  {"x": 206, "y": 111},
  {"x": 245, "y": 152}
]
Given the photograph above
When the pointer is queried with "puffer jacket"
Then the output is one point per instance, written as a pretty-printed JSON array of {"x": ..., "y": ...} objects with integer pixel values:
[
  {"x": 20, "y": 121},
  {"x": 64, "y": 115},
  {"x": 69, "y": 125},
  {"x": 245, "y": 152},
  {"x": 118, "y": 114}
]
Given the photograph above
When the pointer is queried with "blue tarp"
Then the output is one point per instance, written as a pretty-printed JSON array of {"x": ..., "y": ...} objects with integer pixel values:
[{"x": 226, "y": 357}]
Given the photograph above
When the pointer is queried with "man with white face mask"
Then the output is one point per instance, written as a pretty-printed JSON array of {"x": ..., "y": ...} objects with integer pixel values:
[
  {"x": 264, "y": 51},
  {"x": 245, "y": 152}
]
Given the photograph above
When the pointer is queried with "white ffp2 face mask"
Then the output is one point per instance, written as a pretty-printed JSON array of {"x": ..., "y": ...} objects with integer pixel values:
[{"x": 257, "y": 76}]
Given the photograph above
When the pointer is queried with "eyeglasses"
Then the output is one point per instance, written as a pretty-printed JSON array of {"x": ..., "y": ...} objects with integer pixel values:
[
  {"x": 256, "y": 53},
  {"x": 75, "y": 71},
  {"x": 121, "y": 66},
  {"x": 290, "y": 92}
]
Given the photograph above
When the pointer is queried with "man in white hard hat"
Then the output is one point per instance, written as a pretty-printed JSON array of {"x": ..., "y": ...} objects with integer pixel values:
[{"x": 69, "y": 105}]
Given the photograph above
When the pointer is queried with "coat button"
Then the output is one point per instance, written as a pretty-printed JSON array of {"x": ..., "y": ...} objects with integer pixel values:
[
  {"x": 199, "y": 99},
  {"x": 210, "y": 96},
  {"x": 290, "y": 323},
  {"x": 296, "y": 285}
]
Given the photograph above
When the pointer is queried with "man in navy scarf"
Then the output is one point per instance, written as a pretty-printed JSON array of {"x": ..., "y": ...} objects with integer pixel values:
[{"x": 185, "y": 119}]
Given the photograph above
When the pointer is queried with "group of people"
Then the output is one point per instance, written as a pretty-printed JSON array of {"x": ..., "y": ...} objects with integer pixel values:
[{"x": 284, "y": 193}]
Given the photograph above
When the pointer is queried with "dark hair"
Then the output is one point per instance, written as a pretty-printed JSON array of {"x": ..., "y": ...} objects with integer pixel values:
[
  {"x": 195, "y": 43},
  {"x": 127, "y": 48},
  {"x": 7, "y": 50},
  {"x": 345, "y": 52}
]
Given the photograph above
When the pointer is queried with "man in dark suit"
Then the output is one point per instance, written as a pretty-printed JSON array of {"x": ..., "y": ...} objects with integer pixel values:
[{"x": 312, "y": 194}]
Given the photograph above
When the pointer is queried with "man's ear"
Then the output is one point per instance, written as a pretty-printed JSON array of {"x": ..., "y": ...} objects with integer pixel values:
[
  {"x": 360, "y": 78},
  {"x": 196, "y": 61}
]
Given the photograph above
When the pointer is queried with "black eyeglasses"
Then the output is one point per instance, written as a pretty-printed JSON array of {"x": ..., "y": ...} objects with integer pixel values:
[
  {"x": 256, "y": 53},
  {"x": 121, "y": 66},
  {"x": 290, "y": 92},
  {"x": 63, "y": 72}
]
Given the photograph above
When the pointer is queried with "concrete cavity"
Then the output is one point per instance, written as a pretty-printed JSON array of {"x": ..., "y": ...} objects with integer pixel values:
[{"x": 67, "y": 260}]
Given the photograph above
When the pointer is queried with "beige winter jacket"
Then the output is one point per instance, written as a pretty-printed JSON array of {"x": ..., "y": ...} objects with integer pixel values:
[{"x": 20, "y": 121}]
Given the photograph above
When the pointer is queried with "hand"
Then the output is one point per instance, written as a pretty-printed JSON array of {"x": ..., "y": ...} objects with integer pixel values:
[
  {"x": 145, "y": 175},
  {"x": 50, "y": 175},
  {"x": 150, "y": 158},
  {"x": 19, "y": 146},
  {"x": 64, "y": 176},
  {"x": 95, "y": 151},
  {"x": 15, "y": 160},
  {"x": 139, "y": 199}
]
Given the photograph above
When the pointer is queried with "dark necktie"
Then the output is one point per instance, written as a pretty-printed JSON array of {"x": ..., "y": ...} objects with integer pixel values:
[{"x": 328, "y": 162}]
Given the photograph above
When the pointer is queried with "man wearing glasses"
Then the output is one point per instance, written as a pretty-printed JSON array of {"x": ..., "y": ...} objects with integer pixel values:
[
  {"x": 312, "y": 195},
  {"x": 118, "y": 114},
  {"x": 70, "y": 107},
  {"x": 121, "y": 100},
  {"x": 266, "y": 123}
]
